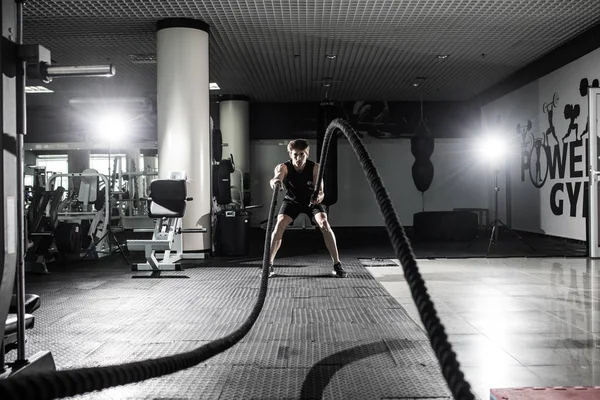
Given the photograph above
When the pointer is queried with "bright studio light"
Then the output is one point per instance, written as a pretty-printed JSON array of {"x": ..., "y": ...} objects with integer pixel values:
[
  {"x": 111, "y": 127},
  {"x": 493, "y": 147}
]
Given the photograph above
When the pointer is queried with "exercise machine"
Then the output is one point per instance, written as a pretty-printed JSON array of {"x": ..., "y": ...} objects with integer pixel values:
[
  {"x": 41, "y": 223},
  {"x": 231, "y": 220},
  {"x": 96, "y": 221},
  {"x": 166, "y": 204},
  {"x": 20, "y": 62},
  {"x": 134, "y": 211}
]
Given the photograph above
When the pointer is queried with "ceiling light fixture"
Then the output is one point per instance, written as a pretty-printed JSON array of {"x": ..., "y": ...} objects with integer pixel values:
[
  {"x": 443, "y": 56},
  {"x": 141, "y": 104},
  {"x": 214, "y": 86},
  {"x": 331, "y": 56}
]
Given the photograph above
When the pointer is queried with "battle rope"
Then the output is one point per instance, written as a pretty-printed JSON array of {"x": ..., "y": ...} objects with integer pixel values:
[
  {"x": 66, "y": 383},
  {"x": 459, "y": 387}
]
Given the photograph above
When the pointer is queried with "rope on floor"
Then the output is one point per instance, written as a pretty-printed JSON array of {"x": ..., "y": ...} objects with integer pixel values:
[
  {"x": 460, "y": 388},
  {"x": 67, "y": 383}
]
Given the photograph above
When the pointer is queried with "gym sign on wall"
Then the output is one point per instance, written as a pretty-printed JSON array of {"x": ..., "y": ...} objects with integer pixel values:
[{"x": 551, "y": 157}]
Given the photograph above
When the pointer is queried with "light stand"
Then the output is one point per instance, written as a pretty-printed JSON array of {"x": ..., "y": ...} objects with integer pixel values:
[{"x": 497, "y": 221}]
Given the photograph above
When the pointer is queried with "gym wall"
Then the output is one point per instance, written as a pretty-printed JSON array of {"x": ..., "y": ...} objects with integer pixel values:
[
  {"x": 459, "y": 179},
  {"x": 379, "y": 119},
  {"x": 554, "y": 201}
]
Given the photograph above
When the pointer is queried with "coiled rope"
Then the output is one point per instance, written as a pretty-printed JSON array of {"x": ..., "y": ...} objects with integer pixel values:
[
  {"x": 460, "y": 388},
  {"x": 66, "y": 383}
]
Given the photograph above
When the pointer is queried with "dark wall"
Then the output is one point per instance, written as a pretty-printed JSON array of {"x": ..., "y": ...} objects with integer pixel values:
[
  {"x": 564, "y": 54},
  {"x": 375, "y": 119},
  {"x": 284, "y": 121}
]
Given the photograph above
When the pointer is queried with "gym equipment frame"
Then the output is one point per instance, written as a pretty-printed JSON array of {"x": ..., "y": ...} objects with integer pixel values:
[
  {"x": 166, "y": 203},
  {"x": 21, "y": 62},
  {"x": 103, "y": 246}
]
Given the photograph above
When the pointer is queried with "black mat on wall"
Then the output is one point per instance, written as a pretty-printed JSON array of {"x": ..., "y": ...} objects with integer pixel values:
[{"x": 445, "y": 226}]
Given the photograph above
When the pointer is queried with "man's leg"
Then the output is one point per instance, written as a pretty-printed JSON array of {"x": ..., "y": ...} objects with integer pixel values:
[
  {"x": 328, "y": 235},
  {"x": 330, "y": 243},
  {"x": 283, "y": 221},
  {"x": 287, "y": 213}
]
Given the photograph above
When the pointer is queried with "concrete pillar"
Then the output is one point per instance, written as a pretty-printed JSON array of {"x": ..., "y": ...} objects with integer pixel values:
[
  {"x": 234, "y": 116},
  {"x": 183, "y": 118}
]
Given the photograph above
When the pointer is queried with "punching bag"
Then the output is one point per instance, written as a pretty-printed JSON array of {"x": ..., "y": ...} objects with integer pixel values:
[
  {"x": 326, "y": 115},
  {"x": 421, "y": 146}
]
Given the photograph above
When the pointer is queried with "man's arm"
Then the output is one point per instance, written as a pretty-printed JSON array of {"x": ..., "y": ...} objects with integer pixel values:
[{"x": 280, "y": 174}]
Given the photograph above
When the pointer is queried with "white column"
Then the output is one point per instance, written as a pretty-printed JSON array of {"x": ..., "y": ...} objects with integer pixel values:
[
  {"x": 234, "y": 116},
  {"x": 183, "y": 118}
]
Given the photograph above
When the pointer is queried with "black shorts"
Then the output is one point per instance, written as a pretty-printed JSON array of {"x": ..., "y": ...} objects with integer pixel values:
[{"x": 293, "y": 209}]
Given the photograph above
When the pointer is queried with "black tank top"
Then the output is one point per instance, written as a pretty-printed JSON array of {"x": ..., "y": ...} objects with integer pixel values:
[{"x": 299, "y": 185}]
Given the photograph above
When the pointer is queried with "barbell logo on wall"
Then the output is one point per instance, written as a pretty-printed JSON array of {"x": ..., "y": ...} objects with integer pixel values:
[{"x": 546, "y": 157}]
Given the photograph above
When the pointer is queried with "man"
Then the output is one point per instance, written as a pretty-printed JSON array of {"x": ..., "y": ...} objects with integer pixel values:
[{"x": 299, "y": 176}]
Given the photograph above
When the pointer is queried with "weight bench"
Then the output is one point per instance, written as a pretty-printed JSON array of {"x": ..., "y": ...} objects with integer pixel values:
[{"x": 166, "y": 204}]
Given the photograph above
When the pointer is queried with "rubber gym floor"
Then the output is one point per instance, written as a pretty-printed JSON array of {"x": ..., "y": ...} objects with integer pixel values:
[{"x": 317, "y": 336}]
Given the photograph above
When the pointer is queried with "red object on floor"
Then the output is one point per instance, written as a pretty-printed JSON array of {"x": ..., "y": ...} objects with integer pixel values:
[{"x": 549, "y": 393}]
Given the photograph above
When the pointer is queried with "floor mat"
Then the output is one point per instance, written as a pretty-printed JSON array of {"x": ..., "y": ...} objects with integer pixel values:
[{"x": 315, "y": 334}]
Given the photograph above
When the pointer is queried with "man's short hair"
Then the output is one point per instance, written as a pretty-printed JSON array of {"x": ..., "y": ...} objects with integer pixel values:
[{"x": 298, "y": 144}]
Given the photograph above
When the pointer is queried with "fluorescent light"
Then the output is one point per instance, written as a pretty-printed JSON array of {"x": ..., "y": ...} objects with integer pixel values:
[
  {"x": 37, "y": 89},
  {"x": 129, "y": 103},
  {"x": 214, "y": 86}
]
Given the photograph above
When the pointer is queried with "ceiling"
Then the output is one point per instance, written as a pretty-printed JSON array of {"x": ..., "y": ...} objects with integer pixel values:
[{"x": 275, "y": 50}]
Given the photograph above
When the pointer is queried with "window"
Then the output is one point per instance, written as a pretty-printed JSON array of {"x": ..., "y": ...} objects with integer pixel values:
[
  {"x": 28, "y": 180},
  {"x": 100, "y": 162}
]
